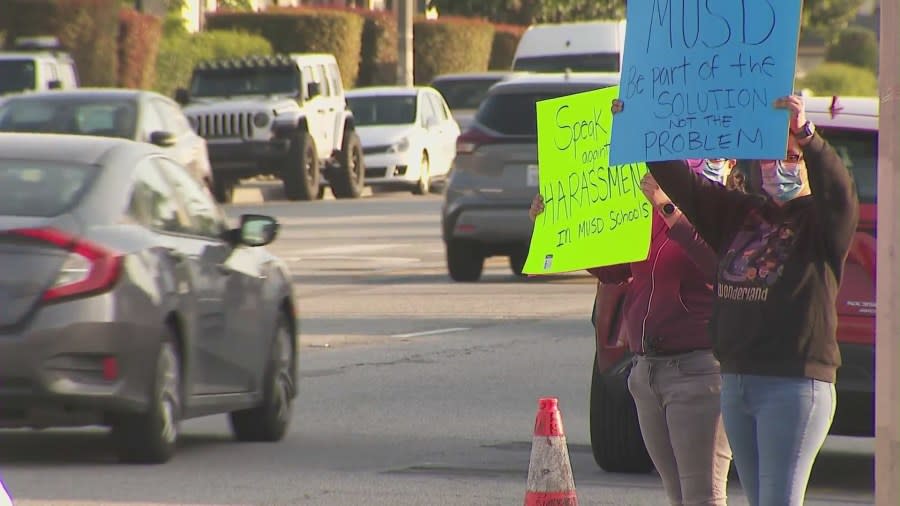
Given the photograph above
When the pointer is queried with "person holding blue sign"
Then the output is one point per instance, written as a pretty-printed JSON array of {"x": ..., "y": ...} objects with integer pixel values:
[
  {"x": 675, "y": 380},
  {"x": 773, "y": 325}
]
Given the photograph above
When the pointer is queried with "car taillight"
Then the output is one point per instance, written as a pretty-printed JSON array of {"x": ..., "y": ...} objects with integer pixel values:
[
  {"x": 472, "y": 139},
  {"x": 89, "y": 268}
]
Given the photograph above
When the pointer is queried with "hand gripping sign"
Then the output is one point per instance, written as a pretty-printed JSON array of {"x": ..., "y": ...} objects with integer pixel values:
[
  {"x": 594, "y": 214},
  {"x": 700, "y": 79}
]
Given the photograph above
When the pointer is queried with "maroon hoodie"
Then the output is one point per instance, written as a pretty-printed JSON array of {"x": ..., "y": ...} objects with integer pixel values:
[{"x": 669, "y": 301}]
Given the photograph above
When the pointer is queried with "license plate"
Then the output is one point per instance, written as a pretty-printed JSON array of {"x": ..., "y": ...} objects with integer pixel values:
[{"x": 531, "y": 175}]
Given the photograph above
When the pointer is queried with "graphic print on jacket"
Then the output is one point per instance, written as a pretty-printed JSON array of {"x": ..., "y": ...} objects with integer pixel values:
[{"x": 755, "y": 261}]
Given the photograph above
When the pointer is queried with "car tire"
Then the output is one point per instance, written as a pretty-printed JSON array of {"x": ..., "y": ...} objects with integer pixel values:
[
  {"x": 616, "y": 440},
  {"x": 517, "y": 261},
  {"x": 151, "y": 437},
  {"x": 269, "y": 421},
  {"x": 300, "y": 172},
  {"x": 465, "y": 261},
  {"x": 348, "y": 178},
  {"x": 423, "y": 185},
  {"x": 223, "y": 190}
]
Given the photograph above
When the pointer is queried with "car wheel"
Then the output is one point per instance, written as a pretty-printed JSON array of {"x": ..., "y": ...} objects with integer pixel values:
[
  {"x": 300, "y": 172},
  {"x": 223, "y": 190},
  {"x": 269, "y": 421},
  {"x": 616, "y": 439},
  {"x": 150, "y": 437},
  {"x": 465, "y": 261},
  {"x": 423, "y": 185},
  {"x": 517, "y": 261},
  {"x": 348, "y": 178}
]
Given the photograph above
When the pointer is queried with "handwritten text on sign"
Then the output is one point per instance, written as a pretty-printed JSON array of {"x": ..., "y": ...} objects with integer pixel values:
[
  {"x": 594, "y": 214},
  {"x": 700, "y": 79}
]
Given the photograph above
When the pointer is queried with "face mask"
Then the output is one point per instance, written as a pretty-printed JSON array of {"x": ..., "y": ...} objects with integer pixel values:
[
  {"x": 782, "y": 180},
  {"x": 715, "y": 170}
]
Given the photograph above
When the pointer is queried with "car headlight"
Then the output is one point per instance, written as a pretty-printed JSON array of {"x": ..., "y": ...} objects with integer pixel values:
[
  {"x": 399, "y": 146},
  {"x": 260, "y": 119}
]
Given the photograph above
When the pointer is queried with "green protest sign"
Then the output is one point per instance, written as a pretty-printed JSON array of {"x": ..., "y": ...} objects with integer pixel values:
[{"x": 594, "y": 214}]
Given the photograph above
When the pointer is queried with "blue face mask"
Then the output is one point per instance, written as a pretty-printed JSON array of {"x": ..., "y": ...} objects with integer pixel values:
[{"x": 782, "y": 180}]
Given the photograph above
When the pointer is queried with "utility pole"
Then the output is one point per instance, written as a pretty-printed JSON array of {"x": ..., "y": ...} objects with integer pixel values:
[
  {"x": 405, "y": 11},
  {"x": 887, "y": 355}
]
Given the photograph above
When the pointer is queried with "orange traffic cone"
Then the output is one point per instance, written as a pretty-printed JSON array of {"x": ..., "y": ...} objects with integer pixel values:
[{"x": 550, "y": 480}]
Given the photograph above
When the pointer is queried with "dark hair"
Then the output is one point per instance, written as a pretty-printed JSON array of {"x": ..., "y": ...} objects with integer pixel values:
[{"x": 736, "y": 180}]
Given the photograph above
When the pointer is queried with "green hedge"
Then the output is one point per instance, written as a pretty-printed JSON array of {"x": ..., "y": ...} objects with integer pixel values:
[
  {"x": 840, "y": 79},
  {"x": 89, "y": 29},
  {"x": 178, "y": 54},
  {"x": 451, "y": 44},
  {"x": 506, "y": 39},
  {"x": 379, "y": 57},
  {"x": 855, "y": 46},
  {"x": 303, "y": 30},
  {"x": 139, "y": 39}
]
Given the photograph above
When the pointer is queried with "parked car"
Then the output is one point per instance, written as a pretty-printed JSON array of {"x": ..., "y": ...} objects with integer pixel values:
[
  {"x": 129, "y": 302},
  {"x": 408, "y": 135},
  {"x": 851, "y": 126},
  {"x": 282, "y": 115},
  {"x": 585, "y": 46},
  {"x": 465, "y": 91},
  {"x": 494, "y": 177},
  {"x": 36, "y": 64},
  {"x": 111, "y": 112}
]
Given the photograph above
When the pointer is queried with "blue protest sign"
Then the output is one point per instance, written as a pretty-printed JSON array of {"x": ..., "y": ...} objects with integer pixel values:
[{"x": 700, "y": 79}]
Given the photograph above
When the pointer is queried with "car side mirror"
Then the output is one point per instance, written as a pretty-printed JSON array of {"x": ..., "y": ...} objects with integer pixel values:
[
  {"x": 162, "y": 138},
  {"x": 54, "y": 84},
  {"x": 257, "y": 229},
  {"x": 313, "y": 90},
  {"x": 182, "y": 96}
]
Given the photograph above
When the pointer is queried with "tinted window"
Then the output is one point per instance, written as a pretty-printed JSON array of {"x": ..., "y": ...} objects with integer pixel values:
[
  {"x": 152, "y": 203},
  {"x": 593, "y": 62},
  {"x": 384, "y": 110},
  {"x": 859, "y": 150},
  {"x": 206, "y": 218},
  {"x": 464, "y": 93},
  {"x": 514, "y": 113},
  {"x": 245, "y": 81},
  {"x": 16, "y": 75},
  {"x": 86, "y": 116},
  {"x": 35, "y": 188}
]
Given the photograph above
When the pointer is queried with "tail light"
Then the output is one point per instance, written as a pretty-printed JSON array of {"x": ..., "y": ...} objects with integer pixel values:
[
  {"x": 88, "y": 269},
  {"x": 472, "y": 139}
]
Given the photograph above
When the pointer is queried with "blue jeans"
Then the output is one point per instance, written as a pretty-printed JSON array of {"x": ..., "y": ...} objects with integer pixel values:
[{"x": 776, "y": 427}]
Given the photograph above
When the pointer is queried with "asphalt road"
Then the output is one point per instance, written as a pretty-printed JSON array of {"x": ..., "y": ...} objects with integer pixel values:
[{"x": 415, "y": 390}]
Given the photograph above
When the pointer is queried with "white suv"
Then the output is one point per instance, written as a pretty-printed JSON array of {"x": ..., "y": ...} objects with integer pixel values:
[
  {"x": 36, "y": 64},
  {"x": 282, "y": 115}
]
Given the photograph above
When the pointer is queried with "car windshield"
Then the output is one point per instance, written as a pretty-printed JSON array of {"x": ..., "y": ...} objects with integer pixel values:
[
  {"x": 246, "y": 81},
  {"x": 859, "y": 150},
  {"x": 464, "y": 93},
  {"x": 16, "y": 75},
  {"x": 514, "y": 113},
  {"x": 113, "y": 117},
  {"x": 383, "y": 110},
  {"x": 41, "y": 188},
  {"x": 589, "y": 62}
]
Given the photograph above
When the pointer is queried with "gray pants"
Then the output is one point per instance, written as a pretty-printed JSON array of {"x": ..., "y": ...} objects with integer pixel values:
[{"x": 678, "y": 407}]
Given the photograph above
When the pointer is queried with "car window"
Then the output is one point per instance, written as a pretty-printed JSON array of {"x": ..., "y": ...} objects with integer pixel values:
[
  {"x": 206, "y": 218},
  {"x": 104, "y": 117},
  {"x": 383, "y": 110},
  {"x": 17, "y": 75},
  {"x": 37, "y": 188},
  {"x": 153, "y": 203},
  {"x": 514, "y": 113},
  {"x": 859, "y": 151},
  {"x": 464, "y": 93}
]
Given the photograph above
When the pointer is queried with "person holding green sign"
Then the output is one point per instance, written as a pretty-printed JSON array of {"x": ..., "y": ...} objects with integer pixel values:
[
  {"x": 675, "y": 379},
  {"x": 773, "y": 325}
]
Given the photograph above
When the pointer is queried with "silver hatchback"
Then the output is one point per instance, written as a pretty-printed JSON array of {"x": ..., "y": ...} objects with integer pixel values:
[{"x": 494, "y": 176}]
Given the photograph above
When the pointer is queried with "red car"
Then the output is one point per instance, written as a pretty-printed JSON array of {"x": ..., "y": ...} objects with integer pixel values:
[{"x": 851, "y": 126}]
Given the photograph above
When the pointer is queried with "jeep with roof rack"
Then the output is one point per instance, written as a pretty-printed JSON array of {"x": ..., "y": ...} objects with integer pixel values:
[{"x": 282, "y": 115}]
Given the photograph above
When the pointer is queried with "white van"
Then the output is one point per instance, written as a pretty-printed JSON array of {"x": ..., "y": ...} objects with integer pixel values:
[{"x": 590, "y": 46}]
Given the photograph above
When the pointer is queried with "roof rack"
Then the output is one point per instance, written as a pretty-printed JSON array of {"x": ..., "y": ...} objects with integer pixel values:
[
  {"x": 37, "y": 43},
  {"x": 252, "y": 61}
]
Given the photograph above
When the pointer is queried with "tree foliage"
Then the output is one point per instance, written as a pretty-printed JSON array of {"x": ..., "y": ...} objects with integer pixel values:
[
  {"x": 532, "y": 11},
  {"x": 828, "y": 18}
]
